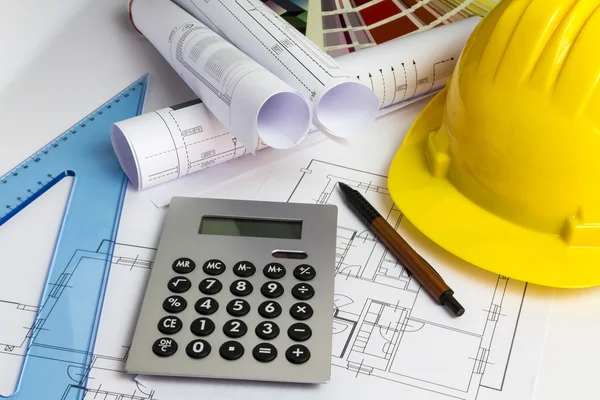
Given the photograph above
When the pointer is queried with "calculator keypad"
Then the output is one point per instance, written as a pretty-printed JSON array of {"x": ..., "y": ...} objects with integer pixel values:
[
  {"x": 303, "y": 291},
  {"x": 231, "y": 350},
  {"x": 174, "y": 304},
  {"x": 235, "y": 328},
  {"x": 264, "y": 352},
  {"x": 274, "y": 271},
  {"x": 202, "y": 326},
  {"x": 179, "y": 284},
  {"x": 164, "y": 347},
  {"x": 301, "y": 311},
  {"x": 272, "y": 290},
  {"x": 210, "y": 286},
  {"x": 170, "y": 325},
  {"x": 241, "y": 287},
  {"x": 267, "y": 330},
  {"x": 198, "y": 349},
  {"x": 184, "y": 265},
  {"x": 238, "y": 307},
  {"x": 304, "y": 272},
  {"x": 206, "y": 306},
  {"x": 244, "y": 269},
  {"x": 269, "y": 309},
  {"x": 213, "y": 267}
]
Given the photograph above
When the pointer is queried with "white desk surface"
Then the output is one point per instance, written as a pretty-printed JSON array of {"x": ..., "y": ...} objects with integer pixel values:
[{"x": 50, "y": 50}]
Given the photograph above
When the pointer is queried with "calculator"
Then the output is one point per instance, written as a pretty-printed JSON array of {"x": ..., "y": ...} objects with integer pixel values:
[{"x": 240, "y": 290}]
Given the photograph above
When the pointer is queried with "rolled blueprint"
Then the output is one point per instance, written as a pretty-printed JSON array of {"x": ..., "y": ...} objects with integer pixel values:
[
  {"x": 342, "y": 105},
  {"x": 166, "y": 144},
  {"x": 243, "y": 95}
]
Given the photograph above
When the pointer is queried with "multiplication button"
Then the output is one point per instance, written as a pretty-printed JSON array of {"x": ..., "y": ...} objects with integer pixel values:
[
  {"x": 183, "y": 265},
  {"x": 274, "y": 271},
  {"x": 213, "y": 267},
  {"x": 305, "y": 272},
  {"x": 301, "y": 311},
  {"x": 164, "y": 347},
  {"x": 231, "y": 350},
  {"x": 303, "y": 291},
  {"x": 169, "y": 325},
  {"x": 244, "y": 269},
  {"x": 198, "y": 349},
  {"x": 297, "y": 354},
  {"x": 174, "y": 304},
  {"x": 179, "y": 284},
  {"x": 264, "y": 352}
]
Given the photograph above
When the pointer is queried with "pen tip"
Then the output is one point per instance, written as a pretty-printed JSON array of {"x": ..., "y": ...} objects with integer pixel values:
[
  {"x": 345, "y": 188},
  {"x": 454, "y": 306}
]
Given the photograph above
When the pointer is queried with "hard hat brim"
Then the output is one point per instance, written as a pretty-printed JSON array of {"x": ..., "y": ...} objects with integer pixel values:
[{"x": 442, "y": 213}]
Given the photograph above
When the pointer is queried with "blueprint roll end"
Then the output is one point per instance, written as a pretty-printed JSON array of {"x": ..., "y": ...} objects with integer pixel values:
[
  {"x": 284, "y": 120},
  {"x": 346, "y": 109},
  {"x": 129, "y": 12},
  {"x": 125, "y": 153}
]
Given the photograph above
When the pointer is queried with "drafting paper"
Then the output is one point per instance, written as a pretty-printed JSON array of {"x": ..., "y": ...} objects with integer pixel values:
[
  {"x": 390, "y": 338},
  {"x": 242, "y": 94},
  {"x": 342, "y": 105}
]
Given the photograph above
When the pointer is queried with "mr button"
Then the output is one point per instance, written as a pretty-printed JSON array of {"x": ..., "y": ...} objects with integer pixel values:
[{"x": 183, "y": 265}]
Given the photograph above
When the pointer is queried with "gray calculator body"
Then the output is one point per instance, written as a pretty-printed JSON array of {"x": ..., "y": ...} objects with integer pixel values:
[{"x": 311, "y": 233}]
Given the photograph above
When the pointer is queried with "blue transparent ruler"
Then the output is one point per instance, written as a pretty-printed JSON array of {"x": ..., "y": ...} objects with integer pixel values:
[{"x": 60, "y": 344}]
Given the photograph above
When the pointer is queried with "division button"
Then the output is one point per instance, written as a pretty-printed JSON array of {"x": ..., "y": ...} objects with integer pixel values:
[
  {"x": 305, "y": 272},
  {"x": 241, "y": 287},
  {"x": 297, "y": 354},
  {"x": 238, "y": 307},
  {"x": 301, "y": 311},
  {"x": 303, "y": 291},
  {"x": 174, "y": 304},
  {"x": 179, "y": 284},
  {"x": 183, "y": 265},
  {"x": 164, "y": 347},
  {"x": 231, "y": 350},
  {"x": 235, "y": 328},
  {"x": 272, "y": 290},
  {"x": 299, "y": 332},
  {"x": 210, "y": 286},
  {"x": 213, "y": 267},
  {"x": 202, "y": 326},
  {"x": 264, "y": 352},
  {"x": 206, "y": 306},
  {"x": 274, "y": 271},
  {"x": 267, "y": 330},
  {"x": 269, "y": 309},
  {"x": 198, "y": 348},
  {"x": 244, "y": 269},
  {"x": 170, "y": 325}
]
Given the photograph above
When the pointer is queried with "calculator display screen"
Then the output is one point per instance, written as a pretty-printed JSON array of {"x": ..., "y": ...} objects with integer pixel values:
[{"x": 267, "y": 228}]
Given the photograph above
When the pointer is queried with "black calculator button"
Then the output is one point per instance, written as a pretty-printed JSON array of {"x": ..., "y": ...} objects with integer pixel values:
[
  {"x": 299, "y": 332},
  {"x": 241, "y": 287},
  {"x": 305, "y": 272},
  {"x": 174, "y": 304},
  {"x": 238, "y": 307},
  {"x": 297, "y": 354},
  {"x": 213, "y": 267},
  {"x": 202, "y": 327},
  {"x": 269, "y": 309},
  {"x": 198, "y": 348},
  {"x": 183, "y": 265},
  {"x": 244, "y": 269},
  {"x": 169, "y": 325},
  {"x": 210, "y": 286},
  {"x": 164, "y": 347},
  {"x": 301, "y": 311},
  {"x": 235, "y": 328},
  {"x": 179, "y": 284},
  {"x": 272, "y": 290},
  {"x": 231, "y": 350},
  {"x": 206, "y": 306},
  {"x": 264, "y": 352},
  {"x": 267, "y": 330},
  {"x": 274, "y": 271},
  {"x": 303, "y": 291}
]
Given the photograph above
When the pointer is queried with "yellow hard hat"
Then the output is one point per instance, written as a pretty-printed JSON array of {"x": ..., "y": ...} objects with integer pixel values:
[{"x": 502, "y": 168}]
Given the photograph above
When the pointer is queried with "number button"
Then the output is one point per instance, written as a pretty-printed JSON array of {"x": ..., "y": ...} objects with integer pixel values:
[
  {"x": 206, "y": 306},
  {"x": 183, "y": 265},
  {"x": 174, "y": 304},
  {"x": 269, "y": 309},
  {"x": 301, "y": 311},
  {"x": 179, "y": 284},
  {"x": 299, "y": 332},
  {"x": 297, "y": 354},
  {"x": 235, "y": 328},
  {"x": 202, "y": 327},
  {"x": 238, "y": 308},
  {"x": 241, "y": 287},
  {"x": 198, "y": 349},
  {"x": 244, "y": 269},
  {"x": 274, "y": 271},
  {"x": 267, "y": 330},
  {"x": 169, "y": 325},
  {"x": 305, "y": 272},
  {"x": 164, "y": 347},
  {"x": 213, "y": 267},
  {"x": 210, "y": 286},
  {"x": 264, "y": 352},
  {"x": 231, "y": 350},
  {"x": 272, "y": 290},
  {"x": 303, "y": 291}
]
